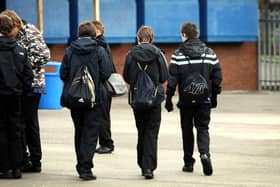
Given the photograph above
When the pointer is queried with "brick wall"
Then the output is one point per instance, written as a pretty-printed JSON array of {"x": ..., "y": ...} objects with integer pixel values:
[
  {"x": 238, "y": 61},
  {"x": 239, "y": 65},
  {"x": 57, "y": 51}
]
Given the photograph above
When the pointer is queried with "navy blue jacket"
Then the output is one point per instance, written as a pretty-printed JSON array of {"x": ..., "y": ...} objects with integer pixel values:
[
  {"x": 145, "y": 54},
  {"x": 101, "y": 41},
  {"x": 15, "y": 70},
  {"x": 85, "y": 50}
]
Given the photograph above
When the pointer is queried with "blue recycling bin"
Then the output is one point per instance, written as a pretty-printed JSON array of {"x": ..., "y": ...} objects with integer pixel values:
[{"x": 51, "y": 100}]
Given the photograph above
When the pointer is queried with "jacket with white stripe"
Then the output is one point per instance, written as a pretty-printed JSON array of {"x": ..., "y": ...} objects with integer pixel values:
[{"x": 194, "y": 56}]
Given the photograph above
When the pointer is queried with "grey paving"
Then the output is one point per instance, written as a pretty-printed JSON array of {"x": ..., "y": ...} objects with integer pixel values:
[{"x": 245, "y": 142}]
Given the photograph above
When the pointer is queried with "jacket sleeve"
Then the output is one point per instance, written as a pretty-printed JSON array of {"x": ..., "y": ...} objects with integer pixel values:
[
  {"x": 27, "y": 74},
  {"x": 110, "y": 57},
  {"x": 101, "y": 42},
  {"x": 64, "y": 71},
  {"x": 126, "y": 71},
  {"x": 163, "y": 71},
  {"x": 105, "y": 64},
  {"x": 38, "y": 52},
  {"x": 173, "y": 77},
  {"x": 216, "y": 77}
]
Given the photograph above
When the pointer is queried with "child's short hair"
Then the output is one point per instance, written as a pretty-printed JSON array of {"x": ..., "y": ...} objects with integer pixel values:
[
  {"x": 17, "y": 22},
  {"x": 87, "y": 29},
  {"x": 99, "y": 26},
  {"x": 190, "y": 30},
  {"x": 145, "y": 34},
  {"x": 6, "y": 25}
]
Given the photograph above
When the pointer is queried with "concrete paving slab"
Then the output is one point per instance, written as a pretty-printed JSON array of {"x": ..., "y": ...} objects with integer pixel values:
[{"x": 245, "y": 142}]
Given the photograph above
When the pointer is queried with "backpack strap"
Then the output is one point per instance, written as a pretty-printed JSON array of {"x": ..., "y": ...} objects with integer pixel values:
[{"x": 140, "y": 67}]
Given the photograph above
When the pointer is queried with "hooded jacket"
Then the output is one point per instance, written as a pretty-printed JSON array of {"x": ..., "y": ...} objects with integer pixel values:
[
  {"x": 145, "y": 54},
  {"x": 38, "y": 54},
  {"x": 101, "y": 42},
  {"x": 194, "y": 56},
  {"x": 85, "y": 50},
  {"x": 15, "y": 70}
]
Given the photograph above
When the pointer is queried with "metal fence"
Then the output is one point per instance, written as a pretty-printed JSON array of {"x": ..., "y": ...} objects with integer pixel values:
[{"x": 269, "y": 51}]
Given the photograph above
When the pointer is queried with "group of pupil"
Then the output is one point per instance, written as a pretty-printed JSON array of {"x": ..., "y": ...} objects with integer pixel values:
[
  {"x": 22, "y": 83},
  {"x": 192, "y": 59}
]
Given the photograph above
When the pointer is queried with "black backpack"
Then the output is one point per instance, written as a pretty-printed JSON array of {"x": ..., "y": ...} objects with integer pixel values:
[
  {"x": 195, "y": 88},
  {"x": 81, "y": 93},
  {"x": 145, "y": 94}
]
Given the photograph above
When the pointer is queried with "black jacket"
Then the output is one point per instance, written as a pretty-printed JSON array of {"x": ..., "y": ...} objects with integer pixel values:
[
  {"x": 15, "y": 70},
  {"x": 85, "y": 50},
  {"x": 101, "y": 42},
  {"x": 145, "y": 54},
  {"x": 194, "y": 55}
]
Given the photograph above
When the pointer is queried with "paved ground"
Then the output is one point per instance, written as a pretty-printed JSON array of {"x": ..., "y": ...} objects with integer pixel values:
[{"x": 245, "y": 142}]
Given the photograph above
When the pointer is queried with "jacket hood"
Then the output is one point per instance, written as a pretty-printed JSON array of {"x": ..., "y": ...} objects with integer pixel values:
[
  {"x": 83, "y": 45},
  {"x": 145, "y": 52},
  {"x": 101, "y": 41},
  {"x": 7, "y": 43},
  {"x": 193, "y": 48}
]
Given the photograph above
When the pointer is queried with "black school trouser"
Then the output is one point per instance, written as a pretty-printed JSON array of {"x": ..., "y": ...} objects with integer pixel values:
[
  {"x": 11, "y": 152},
  {"x": 31, "y": 129},
  {"x": 198, "y": 116},
  {"x": 105, "y": 137},
  {"x": 86, "y": 123},
  {"x": 148, "y": 124}
]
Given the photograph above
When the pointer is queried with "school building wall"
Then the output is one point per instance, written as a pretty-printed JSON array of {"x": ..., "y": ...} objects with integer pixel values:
[
  {"x": 238, "y": 61},
  {"x": 229, "y": 27}
]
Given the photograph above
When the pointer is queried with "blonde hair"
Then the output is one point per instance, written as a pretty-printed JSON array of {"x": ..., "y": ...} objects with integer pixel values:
[
  {"x": 145, "y": 34},
  {"x": 17, "y": 22},
  {"x": 99, "y": 26}
]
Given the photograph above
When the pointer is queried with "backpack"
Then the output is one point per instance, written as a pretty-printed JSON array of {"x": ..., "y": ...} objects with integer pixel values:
[
  {"x": 195, "y": 88},
  {"x": 145, "y": 94},
  {"x": 81, "y": 93},
  {"x": 115, "y": 85}
]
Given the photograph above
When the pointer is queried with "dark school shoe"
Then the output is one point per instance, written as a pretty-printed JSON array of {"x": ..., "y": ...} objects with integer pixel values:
[
  {"x": 87, "y": 176},
  {"x": 188, "y": 167},
  {"x": 104, "y": 150},
  {"x": 16, "y": 173},
  {"x": 206, "y": 164},
  {"x": 148, "y": 174}
]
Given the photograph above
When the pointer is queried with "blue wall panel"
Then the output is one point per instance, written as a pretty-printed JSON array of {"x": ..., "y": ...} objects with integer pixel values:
[
  {"x": 26, "y": 9},
  {"x": 85, "y": 10},
  {"x": 119, "y": 19},
  {"x": 218, "y": 20},
  {"x": 56, "y": 21},
  {"x": 166, "y": 17},
  {"x": 229, "y": 20},
  {"x": 55, "y": 14}
]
